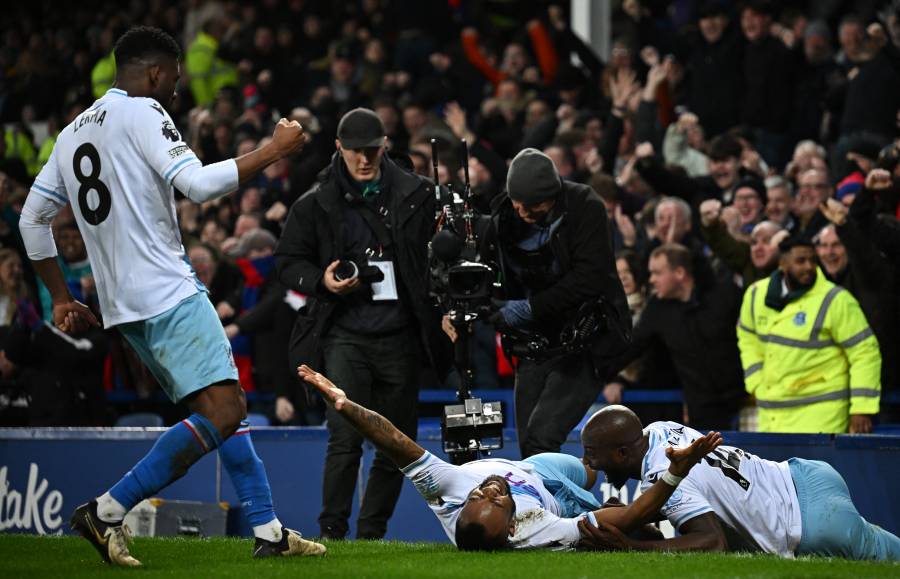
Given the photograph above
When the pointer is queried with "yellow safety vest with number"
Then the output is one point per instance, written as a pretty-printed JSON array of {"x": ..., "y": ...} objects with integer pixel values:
[{"x": 812, "y": 364}]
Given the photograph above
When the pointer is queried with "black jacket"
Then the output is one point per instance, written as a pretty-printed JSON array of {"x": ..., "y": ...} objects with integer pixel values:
[
  {"x": 310, "y": 242},
  {"x": 582, "y": 246},
  {"x": 700, "y": 338},
  {"x": 871, "y": 279},
  {"x": 769, "y": 78},
  {"x": 715, "y": 82}
]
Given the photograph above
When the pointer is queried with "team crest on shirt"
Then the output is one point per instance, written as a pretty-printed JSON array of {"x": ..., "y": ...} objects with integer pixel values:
[
  {"x": 799, "y": 318},
  {"x": 674, "y": 500},
  {"x": 170, "y": 132}
]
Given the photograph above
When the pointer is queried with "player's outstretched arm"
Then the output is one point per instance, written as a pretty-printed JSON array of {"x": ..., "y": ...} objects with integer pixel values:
[
  {"x": 702, "y": 533},
  {"x": 645, "y": 508},
  {"x": 288, "y": 138},
  {"x": 398, "y": 447}
]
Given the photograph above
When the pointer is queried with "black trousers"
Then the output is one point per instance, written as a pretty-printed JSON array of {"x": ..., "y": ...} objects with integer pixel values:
[
  {"x": 552, "y": 396},
  {"x": 380, "y": 373}
]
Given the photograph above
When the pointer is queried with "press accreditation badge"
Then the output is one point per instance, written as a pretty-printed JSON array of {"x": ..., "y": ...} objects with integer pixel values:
[{"x": 385, "y": 290}]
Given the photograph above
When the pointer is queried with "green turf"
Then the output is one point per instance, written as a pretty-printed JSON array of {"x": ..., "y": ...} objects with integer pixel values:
[{"x": 24, "y": 556}]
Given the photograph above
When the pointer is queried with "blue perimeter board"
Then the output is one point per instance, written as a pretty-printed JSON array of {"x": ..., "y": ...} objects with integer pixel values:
[{"x": 46, "y": 472}]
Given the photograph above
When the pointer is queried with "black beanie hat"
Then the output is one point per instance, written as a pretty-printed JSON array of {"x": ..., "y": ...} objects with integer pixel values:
[
  {"x": 755, "y": 184},
  {"x": 532, "y": 178}
]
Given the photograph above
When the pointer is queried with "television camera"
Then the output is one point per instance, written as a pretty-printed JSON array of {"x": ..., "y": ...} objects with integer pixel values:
[{"x": 462, "y": 285}]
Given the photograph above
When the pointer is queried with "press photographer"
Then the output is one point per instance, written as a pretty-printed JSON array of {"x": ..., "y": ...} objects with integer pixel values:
[
  {"x": 356, "y": 246},
  {"x": 565, "y": 313}
]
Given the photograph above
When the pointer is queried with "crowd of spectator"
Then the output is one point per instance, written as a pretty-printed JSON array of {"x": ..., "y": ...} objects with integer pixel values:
[{"x": 714, "y": 132}]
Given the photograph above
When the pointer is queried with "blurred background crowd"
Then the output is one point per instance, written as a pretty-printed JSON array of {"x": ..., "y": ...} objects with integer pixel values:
[{"x": 723, "y": 127}]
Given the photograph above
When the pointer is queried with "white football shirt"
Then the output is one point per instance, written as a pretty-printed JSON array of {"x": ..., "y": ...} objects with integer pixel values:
[
  {"x": 445, "y": 487},
  {"x": 115, "y": 164},
  {"x": 753, "y": 495}
]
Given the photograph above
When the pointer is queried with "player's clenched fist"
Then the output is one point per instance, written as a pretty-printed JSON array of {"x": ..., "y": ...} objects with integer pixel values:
[
  {"x": 73, "y": 317},
  {"x": 288, "y": 137}
]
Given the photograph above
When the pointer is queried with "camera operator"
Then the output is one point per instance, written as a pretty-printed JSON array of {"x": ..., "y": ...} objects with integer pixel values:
[
  {"x": 556, "y": 257},
  {"x": 356, "y": 246}
]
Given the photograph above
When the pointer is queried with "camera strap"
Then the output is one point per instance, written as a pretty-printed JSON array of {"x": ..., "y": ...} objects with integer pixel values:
[{"x": 379, "y": 224}]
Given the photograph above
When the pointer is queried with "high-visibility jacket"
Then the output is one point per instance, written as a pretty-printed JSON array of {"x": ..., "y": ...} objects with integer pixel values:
[
  {"x": 207, "y": 72},
  {"x": 812, "y": 364},
  {"x": 45, "y": 150},
  {"x": 19, "y": 146},
  {"x": 103, "y": 75}
]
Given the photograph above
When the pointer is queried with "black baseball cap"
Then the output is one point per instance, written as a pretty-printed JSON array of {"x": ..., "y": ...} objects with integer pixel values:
[{"x": 359, "y": 129}]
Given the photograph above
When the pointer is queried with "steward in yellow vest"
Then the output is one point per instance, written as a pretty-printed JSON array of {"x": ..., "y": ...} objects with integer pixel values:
[
  {"x": 207, "y": 73},
  {"x": 809, "y": 355}
]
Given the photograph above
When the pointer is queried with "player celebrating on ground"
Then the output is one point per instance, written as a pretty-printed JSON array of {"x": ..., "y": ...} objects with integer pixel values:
[
  {"x": 494, "y": 504},
  {"x": 796, "y": 507},
  {"x": 117, "y": 163}
]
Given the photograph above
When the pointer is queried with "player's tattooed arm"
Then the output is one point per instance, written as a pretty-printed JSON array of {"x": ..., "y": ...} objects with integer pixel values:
[
  {"x": 645, "y": 509},
  {"x": 401, "y": 449}
]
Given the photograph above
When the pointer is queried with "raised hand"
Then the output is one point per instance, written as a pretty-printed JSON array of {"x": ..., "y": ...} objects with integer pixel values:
[
  {"x": 455, "y": 117},
  {"x": 288, "y": 137},
  {"x": 834, "y": 211},
  {"x": 622, "y": 86},
  {"x": 710, "y": 211},
  {"x": 626, "y": 227},
  {"x": 332, "y": 394},
  {"x": 644, "y": 150},
  {"x": 878, "y": 179},
  {"x": 681, "y": 460}
]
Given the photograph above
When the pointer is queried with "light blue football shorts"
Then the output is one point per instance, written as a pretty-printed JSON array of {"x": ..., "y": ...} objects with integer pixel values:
[{"x": 185, "y": 347}]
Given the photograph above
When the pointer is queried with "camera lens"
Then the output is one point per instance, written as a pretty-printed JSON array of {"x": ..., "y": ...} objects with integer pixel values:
[{"x": 345, "y": 270}]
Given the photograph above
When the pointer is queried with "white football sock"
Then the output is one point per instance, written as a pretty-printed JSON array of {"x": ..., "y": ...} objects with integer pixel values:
[
  {"x": 109, "y": 509},
  {"x": 271, "y": 531}
]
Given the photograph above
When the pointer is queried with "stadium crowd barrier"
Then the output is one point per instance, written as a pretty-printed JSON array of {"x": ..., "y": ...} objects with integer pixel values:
[{"x": 46, "y": 472}]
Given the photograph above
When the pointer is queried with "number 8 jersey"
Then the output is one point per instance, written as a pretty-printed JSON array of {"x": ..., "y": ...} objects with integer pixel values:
[
  {"x": 755, "y": 496},
  {"x": 115, "y": 164}
]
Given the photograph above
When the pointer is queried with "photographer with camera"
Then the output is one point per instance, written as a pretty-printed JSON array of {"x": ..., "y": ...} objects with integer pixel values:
[
  {"x": 356, "y": 246},
  {"x": 565, "y": 312}
]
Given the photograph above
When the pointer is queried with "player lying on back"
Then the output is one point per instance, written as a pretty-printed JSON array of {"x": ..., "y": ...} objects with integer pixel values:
[
  {"x": 495, "y": 504},
  {"x": 795, "y": 507}
]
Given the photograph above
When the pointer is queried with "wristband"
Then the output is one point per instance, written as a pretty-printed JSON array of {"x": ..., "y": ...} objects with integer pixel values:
[{"x": 671, "y": 480}]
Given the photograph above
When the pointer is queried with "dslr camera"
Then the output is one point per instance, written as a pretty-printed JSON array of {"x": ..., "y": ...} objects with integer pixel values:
[{"x": 348, "y": 269}]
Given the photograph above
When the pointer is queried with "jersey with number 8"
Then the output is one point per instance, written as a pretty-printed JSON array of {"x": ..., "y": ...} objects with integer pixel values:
[
  {"x": 115, "y": 164},
  {"x": 755, "y": 496}
]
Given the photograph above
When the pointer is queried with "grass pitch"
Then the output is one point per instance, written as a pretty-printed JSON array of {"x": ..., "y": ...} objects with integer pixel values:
[{"x": 24, "y": 556}]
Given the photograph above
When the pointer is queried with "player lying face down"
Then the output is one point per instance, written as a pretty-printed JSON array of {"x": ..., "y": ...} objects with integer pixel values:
[
  {"x": 495, "y": 504},
  {"x": 732, "y": 500}
]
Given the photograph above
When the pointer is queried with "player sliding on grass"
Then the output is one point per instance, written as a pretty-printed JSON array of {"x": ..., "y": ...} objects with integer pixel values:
[
  {"x": 796, "y": 507},
  {"x": 494, "y": 504},
  {"x": 117, "y": 163}
]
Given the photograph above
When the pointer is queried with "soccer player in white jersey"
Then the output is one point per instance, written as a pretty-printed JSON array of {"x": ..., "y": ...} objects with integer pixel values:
[
  {"x": 117, "y": 163},
  {"x": 494, "y": 504},
  {"x": 795, "y": 507}
]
